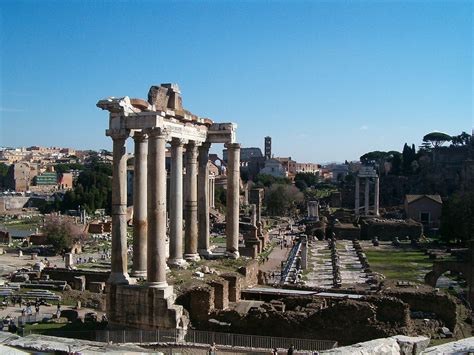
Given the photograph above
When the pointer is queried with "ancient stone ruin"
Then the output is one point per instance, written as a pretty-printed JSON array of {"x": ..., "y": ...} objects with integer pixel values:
[{"x": 152, "y": 124}]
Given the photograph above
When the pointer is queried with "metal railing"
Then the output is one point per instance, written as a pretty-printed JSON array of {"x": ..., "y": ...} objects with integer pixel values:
[
  {"x": 196, "y": 337},
  {"x": 290, "y": 261}
]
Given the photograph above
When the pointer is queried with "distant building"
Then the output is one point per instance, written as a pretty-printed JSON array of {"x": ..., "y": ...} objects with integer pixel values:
[
  {"x": 46, "y": 178},
  {"x": 268, "y": 147},
  {"x": 274, "y": 168},
  {"x": 246, "y": 154},
  {"x": 339, "y": 171},
  {"x": 425, "y": 209},
  {"x": 65, "y": 181},
  {"x": 20, "y": 176},
  {"x": 310, "y": 168}
]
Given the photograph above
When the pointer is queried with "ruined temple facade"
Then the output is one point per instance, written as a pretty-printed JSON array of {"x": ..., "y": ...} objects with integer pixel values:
[{"x": 152, "y": 125}]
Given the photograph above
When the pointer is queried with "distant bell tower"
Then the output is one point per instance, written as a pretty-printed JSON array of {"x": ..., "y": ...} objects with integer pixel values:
[{"x": 268, "y": 147}]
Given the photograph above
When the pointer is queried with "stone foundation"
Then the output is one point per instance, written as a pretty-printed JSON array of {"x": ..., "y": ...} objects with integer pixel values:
[{"x": 142, "y": 307}]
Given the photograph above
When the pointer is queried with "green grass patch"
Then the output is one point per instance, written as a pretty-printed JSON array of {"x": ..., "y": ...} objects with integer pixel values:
[
  {"x": 410, "y": 265},
  {"x": 266, "y": 252},
  {"x": 218, "y": 240}
]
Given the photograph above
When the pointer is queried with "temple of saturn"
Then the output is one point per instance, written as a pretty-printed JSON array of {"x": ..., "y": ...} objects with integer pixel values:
[
  {"x": 368, "y": 173},
  {"x": 152, "y": 125}
]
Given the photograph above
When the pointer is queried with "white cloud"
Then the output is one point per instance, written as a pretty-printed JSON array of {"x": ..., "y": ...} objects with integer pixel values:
[{"x": 364, "y": 128}]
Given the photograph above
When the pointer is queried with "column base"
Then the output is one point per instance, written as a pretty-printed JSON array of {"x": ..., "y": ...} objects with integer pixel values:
[
  {"x": 161, "y": 285},
  {"x": 177, "y": 263},
  {"x": 232, "y": 254},
  {"x": 119, "y": 278},
  {"x": 138, "y": 274},
  {"x": 192, "y": 257},
  {"x": 205, "y": 252}
]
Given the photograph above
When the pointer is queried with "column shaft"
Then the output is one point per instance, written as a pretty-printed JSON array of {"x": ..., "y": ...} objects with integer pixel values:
[
  {"x": 190, "y": 203},
  {"x": 156, "y": 271},
  {"x": 176, "y": 205},
  {"x": 232, "y": 208},
  {"x": 366, "y": 198},
  {"x": 376, "y": 196},
  {"x": 140, "y": 206},
  {"x": 357, "y": 196},
  {"x": 119, "y": 272},
  {"x": 203, "y": 200}
]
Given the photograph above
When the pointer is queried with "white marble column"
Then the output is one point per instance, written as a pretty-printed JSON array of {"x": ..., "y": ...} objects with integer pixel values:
[
  {"x": 212, "y": 181},
  {"x": 232, "y": 208},
  {"x": 203, "y": 200},
  {"x": 176, "y": 205},
  {"x": 156, "y": 270},
  {"x": 140, "y": 205},
  {"x": 190, "y": 203},
  {"x": 119, "y": 272},
  {"x": 366, "y": 198},
  {"x": 376, "y": 196},
  {"x": 357, "y": 196}
]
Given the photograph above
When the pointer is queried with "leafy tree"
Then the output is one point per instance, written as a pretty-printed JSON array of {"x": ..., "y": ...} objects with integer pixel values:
[
  {"x": 265, "y": 180},
  {"x": 457, "y": 218},
  {"x": 308, "y": 178},
  {"x": 61, "y": 233},
  {"x": 63, "y": 168},
  {"x": 3, "y": 169},
  {"x": 436, "y": 139},
  {"x": 408, "y": 156},
  {"x": 374, "y": 158},
  {"x": 280, "y": 199},
  {"x": 395, "y": 158},
  {"x": 461, "y": 139},
  {"x": 301, "y": 185},
  {"x": 220, "y": 197}
]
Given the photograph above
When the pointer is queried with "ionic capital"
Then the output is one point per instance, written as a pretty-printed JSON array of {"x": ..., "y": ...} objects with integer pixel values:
[
  {"x": 178, "y": 142},
  {"x": 158, "y": 133},
  {"x": 140, "y": 136},
  {"x": 118, "y": 134},
  {"x": 232, "y": 146},
  {"x": 205, "y": 146}
]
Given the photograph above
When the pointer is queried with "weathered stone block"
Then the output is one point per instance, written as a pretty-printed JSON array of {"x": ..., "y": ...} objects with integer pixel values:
[
  {"x": 143, "y": 307},
  {"x": 221, "y": 293},
  {"x": 411, "y": 345},
  {"x": 79, "y": 283},
  {"x": 386, "y": 346},
  {"x": 234, "y": 286},
  {"x": 158, "y": 96},
  {"x": 97, "y": 287}
]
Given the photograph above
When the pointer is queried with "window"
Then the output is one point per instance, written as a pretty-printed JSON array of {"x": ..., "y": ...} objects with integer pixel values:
[{"x": 425, "y": 218}]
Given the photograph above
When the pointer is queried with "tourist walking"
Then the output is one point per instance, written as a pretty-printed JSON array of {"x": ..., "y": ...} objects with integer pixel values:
[
  {"x": 291, "y": 350},
  {"x": 212, "y": 349}
]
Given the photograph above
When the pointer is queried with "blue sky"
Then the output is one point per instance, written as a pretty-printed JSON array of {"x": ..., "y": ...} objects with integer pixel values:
[{"x": 327, "y": 80}]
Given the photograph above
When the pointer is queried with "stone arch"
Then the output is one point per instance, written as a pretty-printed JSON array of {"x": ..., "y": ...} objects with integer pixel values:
[{"x": 441, "y": 267}]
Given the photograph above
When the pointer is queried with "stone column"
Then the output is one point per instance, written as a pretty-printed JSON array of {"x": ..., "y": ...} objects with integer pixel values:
[
  {"x": 156, "y": 268},
  {"x": 232, "y": 208},
  {"x": 119, "y": 272},
  {"x": 366, "y": 198},
  {"x": 357, "y": 196},
  {"x": 190, "y": 203},
  {"x": 212, "y": 182},
  {"x": 203, "y": 200},
  {"x": 176, "y": 205},
  {"x": 140, "y": 205},
  {"x": 376, "y": 196}
]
